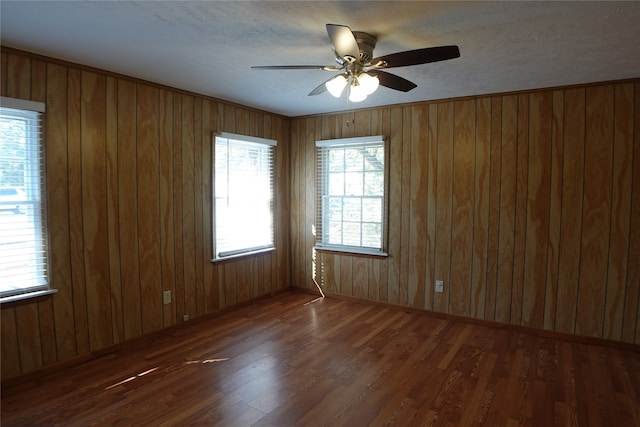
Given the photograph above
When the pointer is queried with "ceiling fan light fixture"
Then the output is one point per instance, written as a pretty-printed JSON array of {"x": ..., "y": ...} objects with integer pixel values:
[
  {"x": 368, "y": 82},
  {"x": 357, "y": 92},
  {"x": 336, "y": 85}
]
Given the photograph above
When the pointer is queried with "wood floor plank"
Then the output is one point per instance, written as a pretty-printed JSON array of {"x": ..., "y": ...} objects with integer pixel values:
[{"x": 295, "y": 359}]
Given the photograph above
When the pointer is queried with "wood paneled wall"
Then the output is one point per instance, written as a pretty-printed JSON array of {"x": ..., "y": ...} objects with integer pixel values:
[
  {"x": 527, "y": 205},
  {"x": 129, "y": 210}
]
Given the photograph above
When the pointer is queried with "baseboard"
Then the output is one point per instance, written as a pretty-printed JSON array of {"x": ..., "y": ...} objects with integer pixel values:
[{"x": 544, "y": 333}]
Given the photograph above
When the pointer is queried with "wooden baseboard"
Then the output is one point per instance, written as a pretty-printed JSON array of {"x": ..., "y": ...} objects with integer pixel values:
[{"x": 544, "y": 333}]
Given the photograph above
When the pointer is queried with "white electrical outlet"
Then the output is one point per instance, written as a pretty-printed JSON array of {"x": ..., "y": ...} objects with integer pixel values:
[
  {"x": 439, "y": 286},
  {"x": 185, "y": 317},
  {"x": 166, "y": 297}
]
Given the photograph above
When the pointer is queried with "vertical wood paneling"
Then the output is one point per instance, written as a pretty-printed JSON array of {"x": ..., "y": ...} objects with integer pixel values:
[
  {"x": 29, "y": 337},
  {"x": 360, "y": 278},
  {"x": 314, "y": 132},
  {"x": 444, "y": 189},
  {"x": 94, "y": 209},
  {"x": 462, "y": 230},
  {"x": 385, "y": 125},
  {"x": 18, "y": 75},
  {"x": 166, "y": 201},
  {"x": 295, "y": 163},
  {"x": 198, "y": 208},
  {"x": 521, "y": 209},
  {"x": 74, "y": 173},
  {"x": 3, "y": 73},
  {"x": 148, "y": 207},
  {"x": 482, "y": 177},
  {"x": 494, "y": 208},
  {"x": 10, "y": 348},
  {"x": 395, "y": 200},
  {"x": 188, "y": 205},
  {"x": 283, "y": 256},
  {"x": 537, "y": 231},
  {"x": 620, "y": 211},
  {"x": 596, "y": 217},
  {"x": 431, "y": 170},
  {"x": 180, "y": 302},
  {"x": 405, "y": 203},
  {"x": 128, "y": 209},
  {"x": 418, "y": 206},
  {"x": 211, "y": 291},
  {"x": 555, "y": 210},
  {"x": 508, "y": 188},
  {"x": 571, "y": 222},
  {"x": 128, "y": 179},
  {"x": 113, "y": 227},
  {"x": 57, "y": 209},
  {"x": 631, "y": 331},
  {"x": 306, "y": 136}
]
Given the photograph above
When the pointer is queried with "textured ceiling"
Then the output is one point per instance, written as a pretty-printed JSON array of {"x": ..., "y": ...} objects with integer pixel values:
[{"x": 208, "y": 47}]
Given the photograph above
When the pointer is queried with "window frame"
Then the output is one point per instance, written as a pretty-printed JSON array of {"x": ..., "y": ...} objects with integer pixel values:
[
  {"x": 225, "y": 255},
  {"x": 36, "y": 181},
  {"x": 323, "y": 146}
]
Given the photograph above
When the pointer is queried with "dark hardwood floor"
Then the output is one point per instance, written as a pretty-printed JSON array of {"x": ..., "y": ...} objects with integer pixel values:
[{"x": 295, "y": 360}]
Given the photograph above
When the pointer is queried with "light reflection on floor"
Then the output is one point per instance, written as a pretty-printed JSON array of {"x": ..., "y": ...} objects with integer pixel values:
[{"x": 156, "y": 369}]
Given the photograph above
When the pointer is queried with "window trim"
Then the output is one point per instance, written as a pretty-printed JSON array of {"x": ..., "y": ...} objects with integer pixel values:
[
  {"x": 349, "y": 249},
  {"x": 235, "y": 254},
  {"x": 44, "y": 289}
]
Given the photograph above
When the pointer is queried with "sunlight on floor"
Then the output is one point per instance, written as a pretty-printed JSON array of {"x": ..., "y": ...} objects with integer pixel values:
[{"x": 189, "y": 362}]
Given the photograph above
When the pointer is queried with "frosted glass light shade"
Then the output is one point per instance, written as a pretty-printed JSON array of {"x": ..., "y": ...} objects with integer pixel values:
[
  {"x": 336, "y": 85},
  {"x": 368, "y": 82},
  {"x": 357, "y": 93}
]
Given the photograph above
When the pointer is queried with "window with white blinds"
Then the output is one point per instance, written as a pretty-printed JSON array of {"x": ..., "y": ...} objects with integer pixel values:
[
  {"x": 243, "y": 194},
  {"x": 351, "y": 185},
  {"x": 23, "y": 249}
]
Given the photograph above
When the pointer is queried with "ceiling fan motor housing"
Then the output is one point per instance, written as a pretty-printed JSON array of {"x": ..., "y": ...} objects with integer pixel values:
[{"x": 366, "y": 43}]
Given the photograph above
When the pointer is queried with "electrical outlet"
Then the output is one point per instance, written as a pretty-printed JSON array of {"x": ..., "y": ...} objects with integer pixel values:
[
  {"x": 166, "y": 297},
  {"x": 185, "y": 317},
  {"x": 439, "y": 286}
]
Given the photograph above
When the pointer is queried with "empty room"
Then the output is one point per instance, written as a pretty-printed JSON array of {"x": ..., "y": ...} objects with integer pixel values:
[{"x": 348, "y": 213}]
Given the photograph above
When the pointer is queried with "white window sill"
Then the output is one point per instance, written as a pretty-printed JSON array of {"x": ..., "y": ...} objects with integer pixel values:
[
  {"x": 352, "y": 250},
  {"x": 243, "y": 255},
  {"x": 27, "y": 296}
]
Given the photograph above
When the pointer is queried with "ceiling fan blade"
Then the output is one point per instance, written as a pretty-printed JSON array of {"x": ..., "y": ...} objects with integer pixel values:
[
  {"x": 296, "y": 67},
  {"x": 322, "y": 88},
  {"x": 343, "y": 41},
  {"x": 394, "y": 82},
  {"x": 419, "y": 56}
]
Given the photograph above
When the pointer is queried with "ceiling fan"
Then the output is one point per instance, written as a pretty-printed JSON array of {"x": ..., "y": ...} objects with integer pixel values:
[{"x": 353, "y": 51}]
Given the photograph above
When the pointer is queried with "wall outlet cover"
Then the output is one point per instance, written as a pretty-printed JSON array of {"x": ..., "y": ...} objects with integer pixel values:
[{"x": 166, "y": 297}]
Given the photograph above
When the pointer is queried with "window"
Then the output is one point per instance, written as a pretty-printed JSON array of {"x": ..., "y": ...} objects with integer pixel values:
[
  {"x": 352, "y": 196},
  {"x": 23, "y": 249},
  {"x": 243, "y": 194}
]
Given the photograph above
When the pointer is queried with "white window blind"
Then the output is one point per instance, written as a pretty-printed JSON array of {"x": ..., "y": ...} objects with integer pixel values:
[
  {"x": 23, "y": 249},
  {"x": 352, "y": 196},
  {"x": 244, "y": 194}
]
